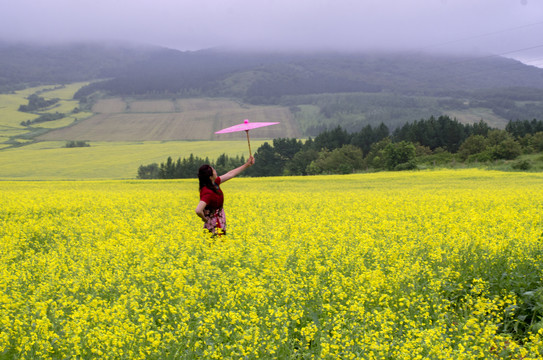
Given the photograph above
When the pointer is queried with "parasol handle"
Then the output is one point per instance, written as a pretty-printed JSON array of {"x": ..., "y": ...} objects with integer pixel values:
[{"x": 248, "y": 142}]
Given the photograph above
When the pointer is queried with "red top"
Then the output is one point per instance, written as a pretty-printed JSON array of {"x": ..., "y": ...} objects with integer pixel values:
[{"x": 214, "y": 200}]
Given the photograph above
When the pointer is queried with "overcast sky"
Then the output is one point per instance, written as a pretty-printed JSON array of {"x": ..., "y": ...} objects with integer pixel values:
[{"x": 512, "y": 28}]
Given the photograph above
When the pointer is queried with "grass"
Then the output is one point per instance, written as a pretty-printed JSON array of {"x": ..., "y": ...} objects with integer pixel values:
[
  {"x": 11, "y": 118},
  {"x": 65, "y": 92},
  {"x": 528, "y": 162},
  {"x": 105, "y": 160},
  {"x": 66, "y": 121}
]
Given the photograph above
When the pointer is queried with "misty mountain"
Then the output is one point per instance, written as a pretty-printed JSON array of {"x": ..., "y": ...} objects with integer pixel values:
[
  {"x": 349, "y": 89},
  {"x": 23, "y": 65},
  {"x": 258, "y": 77},
  {"x": 265, "y": 77}
]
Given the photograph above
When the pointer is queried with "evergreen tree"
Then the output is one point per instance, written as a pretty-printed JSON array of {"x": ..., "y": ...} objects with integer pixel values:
[
  {"x": 367, "y": 136},
  {"x": 480, "y": 128},
  {"x": 267, "y": 162},
  {"x": 522, "y": 128},
  {"x": 332, "y": 139},
  {"x": 167, "y": 170},
  {"x": 364, "y": 138}
]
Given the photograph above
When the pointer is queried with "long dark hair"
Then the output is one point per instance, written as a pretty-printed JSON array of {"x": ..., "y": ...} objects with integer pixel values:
[{"x": 204, "y": 174}]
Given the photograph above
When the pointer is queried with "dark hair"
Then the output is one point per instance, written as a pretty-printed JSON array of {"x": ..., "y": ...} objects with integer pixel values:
[{"x": 204, "y": 174}]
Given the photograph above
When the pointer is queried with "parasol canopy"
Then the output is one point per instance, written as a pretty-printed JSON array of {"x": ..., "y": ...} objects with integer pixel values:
[{"x": 245, "y": 126}]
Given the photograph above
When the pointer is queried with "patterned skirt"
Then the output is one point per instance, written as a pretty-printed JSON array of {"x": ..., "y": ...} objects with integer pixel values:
[{"x": 216, "y": 221}]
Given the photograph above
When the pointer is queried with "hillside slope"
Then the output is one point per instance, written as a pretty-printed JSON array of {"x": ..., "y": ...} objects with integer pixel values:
[
  {"x": 217, "y": 72},
  {"x": 25, "y": 65},
  {"x": 265, "y": 78},
  {"x": 321, "y": 90}
]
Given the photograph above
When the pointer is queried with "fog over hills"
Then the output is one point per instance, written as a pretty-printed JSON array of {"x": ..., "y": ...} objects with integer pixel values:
[
  {"x": 344, "y": 88},
  {"x": 221, "y": 72}
]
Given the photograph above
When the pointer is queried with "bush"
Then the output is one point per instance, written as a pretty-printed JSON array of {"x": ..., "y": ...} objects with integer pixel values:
[
  {"x": 36, "y": 102},
  {"x": 339, "y": 161},
  {"x": 537, "y": 141},
  {"x": 74, "y": 144},
  {"x": 484, "y": 156},
  {"x": 376, "y": 155},
  {"x": 398, "y": 154},
  {"x": 410, "y": 165},
  {"x": 522, "y": 165},
  {"x": 438, "y": 158},
  {"x": 508, "y": 149},
  {"x": 150, "y": 171},
  {"x": 473, "y": 145}
]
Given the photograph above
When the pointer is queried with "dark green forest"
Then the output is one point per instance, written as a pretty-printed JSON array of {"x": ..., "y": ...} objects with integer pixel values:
[{"x": 427, "y": 141}]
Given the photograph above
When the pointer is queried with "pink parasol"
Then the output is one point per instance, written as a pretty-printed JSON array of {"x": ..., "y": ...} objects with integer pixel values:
[{"x": 246, "y": 126}]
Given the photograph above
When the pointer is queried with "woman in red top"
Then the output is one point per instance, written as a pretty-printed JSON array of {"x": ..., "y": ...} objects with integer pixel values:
[{"x": 210, "y": 208}]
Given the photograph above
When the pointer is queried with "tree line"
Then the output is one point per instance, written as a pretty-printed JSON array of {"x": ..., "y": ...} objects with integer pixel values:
[
  {"x": 44, "y": 118},
  {"x": 187, "y": 168},
  {"x": 336, "y": 151},
  {"x": 36, "y": 103}
]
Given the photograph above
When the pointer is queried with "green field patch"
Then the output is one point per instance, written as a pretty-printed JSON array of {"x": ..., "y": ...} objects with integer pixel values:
[
  {"x": 9, "y": 115},
  {"x": 32, "y": 90},
  {"x": 105, "y": 160},
  {"x": 55, "y": 124},
  {"x": 4, "y": 142},
  {"x": 11, "y": 118},
  {"x": 63, "y": 106},
  {"x": 65, "y": 92},
  {"x": 66, "y": 121},
  {"x": 8, "y": 131}
]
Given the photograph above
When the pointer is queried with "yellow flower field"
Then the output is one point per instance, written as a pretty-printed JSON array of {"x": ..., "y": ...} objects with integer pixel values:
[{"x": 413, "y": 265}]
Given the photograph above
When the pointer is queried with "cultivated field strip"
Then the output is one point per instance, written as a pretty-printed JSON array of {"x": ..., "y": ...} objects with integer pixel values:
[{"x": 182, "y": 119}]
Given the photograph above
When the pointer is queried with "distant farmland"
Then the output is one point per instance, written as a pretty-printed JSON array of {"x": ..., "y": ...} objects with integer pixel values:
[{"x": 183, "y": 119}]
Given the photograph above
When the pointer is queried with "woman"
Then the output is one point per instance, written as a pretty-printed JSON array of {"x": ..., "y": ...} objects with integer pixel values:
[{"x": 210, "y": 208}]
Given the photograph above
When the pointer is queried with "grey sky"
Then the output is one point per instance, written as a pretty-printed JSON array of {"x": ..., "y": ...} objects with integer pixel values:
[{"x": 505, "y": 27}]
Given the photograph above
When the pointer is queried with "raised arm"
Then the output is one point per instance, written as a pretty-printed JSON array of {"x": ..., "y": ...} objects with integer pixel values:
[{"x": 235, "y": 172}]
